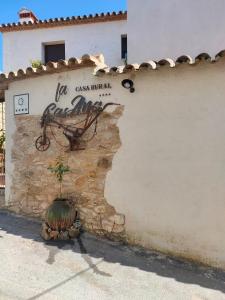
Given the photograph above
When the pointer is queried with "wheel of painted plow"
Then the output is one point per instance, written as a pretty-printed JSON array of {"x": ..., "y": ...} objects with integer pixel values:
[{"x": 42, "y": 143}]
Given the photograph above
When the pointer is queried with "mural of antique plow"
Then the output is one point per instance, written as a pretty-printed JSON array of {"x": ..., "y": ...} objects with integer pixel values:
[{"x": 73, "y": 132}]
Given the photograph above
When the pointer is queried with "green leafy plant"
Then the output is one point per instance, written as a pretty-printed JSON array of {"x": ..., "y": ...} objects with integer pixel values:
[
  {"x": 59, "y": 170},
  {"x": 36, "y": 63},
  {"x": 60, "y": 215}
]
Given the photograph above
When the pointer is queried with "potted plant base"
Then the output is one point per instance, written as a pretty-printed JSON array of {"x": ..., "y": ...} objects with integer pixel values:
[
  {"x": 61, "y": 221},
  {"x": 60, "y": 229}
]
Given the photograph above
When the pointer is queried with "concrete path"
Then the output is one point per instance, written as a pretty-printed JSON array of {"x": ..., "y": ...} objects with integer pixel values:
[{"x": 90, "y": 268}]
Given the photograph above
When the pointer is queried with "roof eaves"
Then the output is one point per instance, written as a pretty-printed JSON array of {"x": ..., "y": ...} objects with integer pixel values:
[
  {"x": 156, "y": 65},
  {"x": 50, "y": 68},
  {"x": 97, "y": 62},
  {"x": 68, "y": 21}
]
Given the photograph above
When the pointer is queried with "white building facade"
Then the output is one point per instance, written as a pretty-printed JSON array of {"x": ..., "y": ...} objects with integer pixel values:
[
  {"x": 154, "y": 30},
  {"x": 98, "y": 34},
  {"x": 168, "y": 29},
  {"x": 155, "y": 172}
]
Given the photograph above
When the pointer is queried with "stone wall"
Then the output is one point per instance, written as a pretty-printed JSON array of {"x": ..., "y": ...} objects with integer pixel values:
[
  {"x": 2, "y": 200},
  {"x": 34, "y": 187}
]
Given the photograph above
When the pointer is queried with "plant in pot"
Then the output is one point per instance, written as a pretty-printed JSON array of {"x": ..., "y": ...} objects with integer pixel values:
[
  {"x": 60, "y": 216},
  {"x": 36, "y": 63}
]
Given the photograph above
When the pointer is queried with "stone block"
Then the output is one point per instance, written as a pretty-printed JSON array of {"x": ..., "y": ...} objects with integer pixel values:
[
  {"x": 44, "y": 232},
  {"x": 54, "y": 234},
  {"x": 45, "y": 226},
  {"x": 81, "y": 181},
  {"x": 104, "y": 163},
  {"x": 63, "y": 235},
  {"x": 107, "y": 225},
  {"x": 87, "y": 213},
  {"x": 118, "y": 219},
  {"x": 118, "y": 228},
  {"x": 100, "y": 209},
  {"x": 92, "y": 174},
  {"x": 73, "y": 232}
]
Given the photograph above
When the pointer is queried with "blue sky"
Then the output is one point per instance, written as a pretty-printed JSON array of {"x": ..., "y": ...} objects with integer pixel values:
[{"x": 45, "y": 9}]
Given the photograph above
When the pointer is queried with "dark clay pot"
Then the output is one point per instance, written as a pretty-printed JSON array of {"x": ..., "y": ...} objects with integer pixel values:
[{"x": 60, "y": 215}]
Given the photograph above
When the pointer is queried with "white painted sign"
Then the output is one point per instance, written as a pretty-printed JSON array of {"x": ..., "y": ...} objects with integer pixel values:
[{"x": 21, "y": 104}]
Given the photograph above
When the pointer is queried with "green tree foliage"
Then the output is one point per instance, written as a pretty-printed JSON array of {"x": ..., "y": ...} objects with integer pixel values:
[{"x": 59, "y": 170}]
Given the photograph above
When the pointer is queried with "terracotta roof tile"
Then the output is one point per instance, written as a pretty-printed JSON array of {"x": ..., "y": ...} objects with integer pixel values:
[
  {"x": 97, "y": 62},
  {"x": 155, "y": 65},
  {"x": 52, "y": 67},
  {"x": 68, "y": 21}
]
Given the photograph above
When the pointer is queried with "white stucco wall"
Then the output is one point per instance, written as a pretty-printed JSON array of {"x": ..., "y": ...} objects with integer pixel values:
[
  {"x": 20, "y": 47},
  {"x": 156, "y": 29},
  {"x": 168, "y": 176},
  {"x": 160, "y": 28}
]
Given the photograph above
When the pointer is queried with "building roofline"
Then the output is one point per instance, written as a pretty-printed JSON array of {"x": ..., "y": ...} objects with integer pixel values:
[
  {"x": 56, "y": 22},
  {"x": 97, "y": 62},
  {"x": 152, "y": 65},
  {"x": 86, "y": 61}
]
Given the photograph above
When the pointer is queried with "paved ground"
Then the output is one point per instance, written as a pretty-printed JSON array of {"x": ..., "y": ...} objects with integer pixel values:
[{"x": 89, "y": 268}]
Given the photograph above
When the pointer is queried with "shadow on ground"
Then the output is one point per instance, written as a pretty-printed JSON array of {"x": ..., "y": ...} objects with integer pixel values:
[{"x": 93, "y": 247}]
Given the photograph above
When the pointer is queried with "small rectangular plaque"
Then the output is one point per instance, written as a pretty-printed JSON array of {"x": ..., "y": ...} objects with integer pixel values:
[{"x": 21, "y": 104}]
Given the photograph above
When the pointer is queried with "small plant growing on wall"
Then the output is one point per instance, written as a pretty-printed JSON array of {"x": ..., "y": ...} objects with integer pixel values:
[
  {"x": 59, "y": 170},
  {"x": 36, "y": 63},
  {"x": 2, "y": 140},
  {"x": 60, "y": 215}
]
